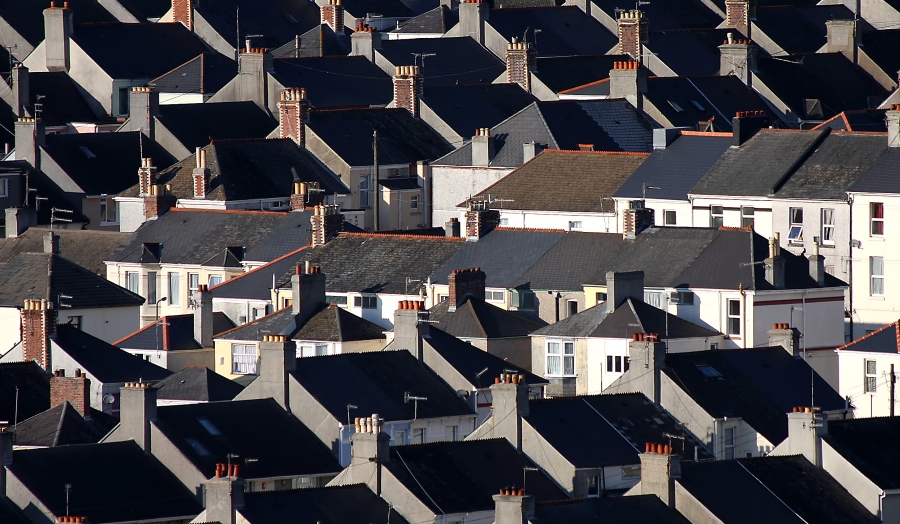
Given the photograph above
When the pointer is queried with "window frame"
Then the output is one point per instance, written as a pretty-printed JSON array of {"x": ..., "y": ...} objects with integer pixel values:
[
  {"x": 173, "y": 284},
  {"x": 133, "y": 281},
  {"x": 576, "y": 225},
  {"x": 193, "y": 282},
  {"x": 870, "y": 378},
  {"x": 247, "y": 359},
  {"x": 364, "y": 190},
  {"x": 152, "y": 287},
  {"x": 876, "y": 280},
  {"x": 745, "y": 215},
  {"x": 414, "y": 203},
  {"x": 491, "y": 296},
  {"x": 733, "y": 318},
  {"x": 794, "y": 225},
  {"x": 592, "y": 486},
  {"x": 875, "y": 209},
  {"x": 827, "y": 227},
  {"x": 666, "y": 221},
  {"x": 716, "y": 216},
  {"x": 219, "y": 279},
  {"x": 4, "y": 187},
  {"x": 571, "y": 307},
  {"x": 366, "y": 301},
  {"x": 728, "y": 446},
  {"x": 564, "y": 357}
]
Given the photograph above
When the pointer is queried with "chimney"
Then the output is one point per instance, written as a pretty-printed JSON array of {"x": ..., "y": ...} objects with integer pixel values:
[
  {"x": 203, "y": 316},
  {"x": 746, "y": 124},
  {"x": 137, "y": 408},
  {"x": 785, "y": 336},
  {"x": 306, "y": 194},
  {"x": 307, "y": 291},
  {"x": 51, "y": 243},
  {"x": 18, "y": 220},
  {"x": 451, "y": 228},
  {"x": 463, "y": 283},
  {"x": 333, "y": 15},
  {"x": 632, "y": 30},
  {"x": 293, "y": 115},
  {"x": 620, "y": 286},
  {"x": 183, "y": 11},
  {"x": 817, "y": 266},
  {"x": 509, "y": 403},
  {"x": 76, "y": 390},
  {"x": 146, "y": 176},
  {"x": 647, "y": 358},
  {"x": 482, "y": 147},
  {"x": 520, "y": 63},
  {"x": 143, "y": 108},
  {"x": 200, "y": 174},
  {"x": 892, "y": 117},
  {"x": 480, "y": 220},
  {"x": 407, "y": 88},
  {"x": 530, "y": 150},
  {"x": 660, "y": 466},
  {"x": 775, "y": 264},
  {"x": 739, "y": 13},
  {"x": 57, "y": 31},
  {"x": 255, "y": 64},
  {"x": 327, "y": 222},
  {"x": 664, "y": 137},
  {"x": 472, "y": 14},
  {"x": 277, "y": 359},
  {"x": 408, "y": 331},
  {"x": 369, "y": 449},
  {"x": 21, "y": 90},
  {"x": 224, "y": 494},
  {"x": 636, "y": 219},
  {"x": 158, "y": 201},
  {"x": 38, "y": 327},
  {"x": 738, "y": 58},
  {"x": 365, "y": 41},
  {"x": 841, "y": 38},
  {"x": 806, "y": 427},
  {"x": 628, "y": 80},
  {"x": 30, "y": 136},
  {"x": 513, "y": 506}
]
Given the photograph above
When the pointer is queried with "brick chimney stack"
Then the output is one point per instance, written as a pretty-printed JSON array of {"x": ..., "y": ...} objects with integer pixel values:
[
  {"x": 38, "y": 326},
  {"x": 203, "y": 316},
  {"x": 463, "y": 283},
  {"x": 521, "y": 59},
  {"x": 143, "y": 108},
  {"x": 183, "y": 11},
  {"x": 632, "y": 30},
  {"x": 146, "y": 176},
  {"x": 158, "y": 201},
  {"x": 746, "y": 124},
  {"x": 785, "y": 336},
  {"x": 333, "y": 15},
  {"x": 201, "y": 175},
  {"x": 739, "y": 14},
  {"x": 327, "y": 222},
  {"x": 76, "y": 390},
  {"x": 293, "y": 114},
  {"x": 480, "y": 219},
  {"x": 407, "y": 88}
]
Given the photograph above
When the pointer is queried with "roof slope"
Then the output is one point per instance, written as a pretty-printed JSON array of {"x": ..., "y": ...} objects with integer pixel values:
[
  {"x": 871, "y": 120},
  {"x": 689, "y": 52},
  {"x": 278, "y": 21},
  {"x": 172, "y": 333},
  {"x": 564, "y": 31},
  {"x": 885, "y": 339},
  {"x": 26, "y": 17},
  {"x": 459, "y": 60},
  {"x": 256, "y": 284},
  {"x": 336, "y": 81},
  {"x": 685, "y": 102},
  {"x": 868, "y": 444},
  {"x": 437, "y": 21},
  {"x": 566, "y": 72},
  {"x": 204, "y": 74},
  {"x": 329, "y": 324},
  {"x": 63, "y": 425},
  {"x": 799, "y": 29},
  {"x": 881, "y": 177},
  {"x": 196, "y": 125},
  {"x": 61, "y": 102},
  {"x": 475, "y": 318},
  {"x": 670, "y": 14},
  {"x": 33, "y": 386},
  {"x": 197, "y": 384},
  {"x": 637, "y": 509},
  {"x": 87, "y": 248},
  {"x": 103, "y": 361},
  {"x": 466, "y": 108},
  {"x": 332, "y": 505},
  {"x": 580, "y": 253},
  {"x": 470, "y": 361}
]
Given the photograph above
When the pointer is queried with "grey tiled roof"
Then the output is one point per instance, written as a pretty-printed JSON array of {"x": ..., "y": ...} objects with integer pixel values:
[
  {"x": 26, "y": 16},
  {"x": 62, "y": 425},
  {"x": 636, "y": 509},
  {"x": 865, "y": 443},
  {"x": 439, "y": 20},
  {"x": 562, "y": 31},
  {"x": 172, "y": 333},
  {"x": 328, "y": 324},
  {"x": 334, "y": 504},
  {"x": 273, "y": 21},
  {"x": 457, "y": 60},
  {"x": 196, "y": 125},
  {"x": 881, "y": 177},
  {"x": 466, "y": 108},
  {"x": 203, "y": 74},
  {"x": 470, "y": 361},
  {"x": 61, "y": 101},
  {"x": 197, "y": 384},
  {"x": 103, "y": 361},
  {"x": 475, "y": 318},
  {"x": 336, "y": 81},
  {"x": 87, "y": 248},
  {"x": 579, "y": 253},
  {"x": 669, "y": 14}
]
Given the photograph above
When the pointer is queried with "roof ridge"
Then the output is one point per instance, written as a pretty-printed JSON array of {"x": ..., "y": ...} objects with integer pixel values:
[
  {"x": 529, "y": 229},
  {"x": 254, "y": 321},
  {"x": 687, "y": 132},
  {"x": 895, "y": 325},
  {"x": 598, "y": 152},
  {"x": 376, "y": 234},
  {"x": 228, "y": 211},
  {"x": 267, "y": 264}
]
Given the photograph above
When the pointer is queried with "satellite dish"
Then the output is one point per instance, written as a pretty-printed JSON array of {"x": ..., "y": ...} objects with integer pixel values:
[
  {"x": 108, "y": 399},
  {"x": 461, "y": 393}
]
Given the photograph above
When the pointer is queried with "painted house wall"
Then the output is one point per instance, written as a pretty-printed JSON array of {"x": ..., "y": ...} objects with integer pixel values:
[
  {"x": 762, "y": 207},
  {"x": 451, "y": 185}
]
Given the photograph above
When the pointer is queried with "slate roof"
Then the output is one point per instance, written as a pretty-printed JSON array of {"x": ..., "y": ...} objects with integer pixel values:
[
  {"x": 759, "y": 385},
  {"x": 175, "y": 332},
  {"x": 882, "y": 340},
  {"x": 867, "y": 120},
  {"x": 866, "y": 443},
  {"x": 318, "y": 41},
  {"x": 771, "y": 489},
  {"x": 330, "y": 323},
  {"x": 376, "y": 382},
  {"x": 33, "y": 387},
  {"x": 148, "y": 9},
  {"x": 689, "y": 52},
  {"x": 144, "y": 487},
  {"x": 686, "y": 101},
  {"x": 138, "y": 51},
  {"x": 197, "y": 384},
  {"x": 566, "y": 72},
  {"x": 87, "y": 248},
  {"x": 278, "y": 21},
  {"x": 477, "y": 319},
  {"x": 27, "y": 16},
  {"x": 677, "y": 168},
  {"x": 63, "y": 425},
  {"x": 197, "y": 125},
  {"x": 402, "y": 139},
  {"x": 248, "y": 169},
  {"x": 206, "y": 433},
  {"x": 437, "y": 21},
  {"x": 61, "y": 101},
  {"x": 463, "y": 476},
  {"x": 103, "y": 361},
  {"x": 636, "y": 509},
  {"x": 799, "y": 29},
  {"x": 881, "y": 177},
  {"x": 619, "y": 425},
  {"x": 458, "y": 60},
  {"x": 466, "y": 108},
  {"x": 563, "y": 31},
  {"x": 44, "y": 276},
  {"x": 10, "y": 513},
  {"x": 332, "y": 505},
  {"x": 387, "y": 8},
  {"x": 566, "y": 181},
  {"x": 877, "y": 45},
  {"x": 104, "y": 163},
  {"x": 670, "y": 14},
  {"x": 203, "y": 74},
  {"x": 256, "y": 284},
  {"x": 336, "y": 81},
  {"x": 580, "y": 253}
]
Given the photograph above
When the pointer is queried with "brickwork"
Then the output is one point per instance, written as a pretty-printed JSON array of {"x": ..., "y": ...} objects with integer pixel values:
[
  {"x": 76, "y": 390},
  {"x": 407, "y": 88},
  {"x": 183, "y": 11},
  {"x": 520, "y": 61},
  {"x": 465, "y": 282},
  {"x": 632, "y": 29},
  {"x": 293, "y": 113},
  {"x": 38, "y": 324}
]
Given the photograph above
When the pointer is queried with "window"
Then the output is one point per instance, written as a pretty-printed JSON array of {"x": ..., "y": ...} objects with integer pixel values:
[
  {"x": 828, "y": 227},
  {"x": 669, "y": 215},
  {"x": 174, "y": 289},
  {"x": 747, "y": 216},
  {"x": 453, "y": 433},
  {"x": 336, "y": 299},
  {"x": 495, "y": 296},
  {"x": 243, "y": 359},
  {"x": 215, "y": 280},
  {"x": 575, "y": 225},
  {"x": 876, "y": 272},
  {"x": 132, "y": 281},
  {"x": 871, "y": 376},
  {"x": 601, "y": 297},
  {"x": 418, "y": 436},
  {"x": 75, "y": 322},
  {"x": 399, "y": 437},
  {"x": 4, "y": 187},
  {"x": 286, "y": 302},
  {"x": 504, "y": 222},
  {"x": 523, "y": 299},
  {"x": 795, "y": 234},
  {"x": 682, "y": 298},
  {"x": 618, "y": 364},
  {"x": 571, "y": 308},
  {"x": 443, "y": 298},
  {"x": 414, "y": 202},
  {"x": 123, "y": 101},
  {"x": 734, "y": 317},
  {"x": 716, "y": 216},
  {"x": 593, "y": 486},
  {"x": 259, "y": 312},
  {"x": 708, "y": 371},
  {"x": 728, "y": 443},
  {"x": 279, "y": 204},
  {"x": 876, "y": 212},
  {"x": 107, "y": 211},
  {"x": 193, "y": 282},
  {"x": 209, "y": 426},
  {"x": 151, "y": 287},
  {"x": 364, "y": 191},
  {"x": 366, "y": 302},
  {"x": 316, "y": 350},
  {"x": 561, "y": 358}
]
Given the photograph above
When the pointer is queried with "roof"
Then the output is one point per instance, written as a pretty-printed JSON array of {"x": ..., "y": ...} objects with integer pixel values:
[
  {"x": 330, "y": 323},
  {"x": 32, "y": 385},
  {"x": 580, "y": 253},
  {"x": 376, "y": 382},
  {"x": 563, "y": 31},
  {"x": 256, "y": 284},
  {"x": 463, "y": 476},
  {"x": 39, "y": 276},
  {"x": 332, "y": 505},
  {"x": 138, "y": 51},
  {"x": 798, "y": 29},
  {"x": 197, "y": 384},
  {"x": 336, "y": 81},
  {"x": 172, "y": 333},
  {"x": 566, "y": 181},
  {"x": 27, "y": 17},
  {"x": 689, "y": 52},
  {"x": 866, "y": 120},
  {"x": 458, "y": 60},
  {"x": 148, "y": 9},
  {"x": 386, "y": 8},
  {"x": 437, "y": 21},
  {"x": 865, "y": 443},
  {"x": 772, "y": 489},
  {"x": 566, "y": 72},
  {"x": 885, "y": 339},
  {"x": 248, "y": 169},
  {"x": 10, "y": 513},
  {"x": 321, "y": 40},
  {"x": 686, "y": 101},
  {"x": 278, "y": 21},
  {"x": 877, "y": 45},
  {"x": 197, "y": 125},
  {"x": 618, "y": 426},
  {"x": 636, "y": 509},
  {"x": 103, "y": 361},
  {"x": 759, "y": 385},
  {"x": 475, "y": 318},
  {"x": 670, "y": 14},
  {"x": 61, "y": 102},
  {"x": 145, "y": 489},
  {"x": 675, "y": 169},
  {"x": 400, "y": 183},
  {"x": 63, "y": 425},
  {"x": 881, "y": 175},
  {"x": 402, "y": 139},
  {"x": 203, "y": 74},
  {"x": 206, "y": 433},
  {"x": 466, "y": 108},
  {"x": 87, "y": 248}
]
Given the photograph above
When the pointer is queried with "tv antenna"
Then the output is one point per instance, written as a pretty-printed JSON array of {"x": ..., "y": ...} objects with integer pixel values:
[
  {"x": 54, "y": 218},
  {"x": 59, "y": 301},
  {"x": 417, "y": 56},
  {"x": 407, "y": 397},
  {"x": 349, "y": 407}
]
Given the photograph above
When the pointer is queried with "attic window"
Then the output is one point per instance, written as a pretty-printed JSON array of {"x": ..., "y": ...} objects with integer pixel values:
[
  {"x": 198, "y": 447},
  {"x": 675, "y": 106},
  {"x": 290, "y": 18},
  {"x": 87, "y": 152},
  {"x": 209, "y": 427},
  {"x": 708, "y": 371},
  {"x": 697, "y": 105}
]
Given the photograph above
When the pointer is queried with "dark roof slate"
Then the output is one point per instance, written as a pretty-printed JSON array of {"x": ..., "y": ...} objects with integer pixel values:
[
  {"x": 458, "y": 60},
  {"x": 256, "y": 284},
  {"x": 63, "y": 425},
  {"x": 868, "y": 445},
  {"x": 477, "y": 319},
  {"x": 329, "y": 323},
  {"x": 560, "y": 73},
  {"x": 878, "y": 45},
  {"x": 277, "y": 21},
  {"x": 466, "y": 108},
  {"x": 881, "y": 177},
  {"x": 885, "y": 339},
  {"x": 689, "y": 52},
  {"x": 174, "y": 332},
  {"x": 670, "y": 14},
  {"x": 336, "y": 81},
  {"x": 470, "y": 361},
  {"x": 437, "y": 21},
  {"x": 636, "y": 509},
  {"x": 196, "y": 125},
  {"x": 332, "y": 505},
  {"x": 867, "y": 120},
  {"x": 799, "y": 29},
  {"x": 204, "y": 74},
  {"x": 33, "y": 386},
  {"x": 26, "y": 17},
  {"x": 580, "y": 253},
  {"x": 563, "y": 31},
  {"x": 87, "y": 248},
  {"x": 197, "y": 384},
  {"x": 61, "y": 101},
  {"x": 103, "y": 361}
]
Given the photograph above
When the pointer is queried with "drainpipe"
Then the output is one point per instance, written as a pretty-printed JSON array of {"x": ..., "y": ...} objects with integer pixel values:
[
  {"x": 850, "y": 266},
  {"x": 743, "y": 315}
]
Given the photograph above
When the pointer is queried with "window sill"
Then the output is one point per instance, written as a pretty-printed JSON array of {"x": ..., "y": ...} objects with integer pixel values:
[
  {"x": 826, "y": 246},
  {"x": 876, "y": 238},
  {"x": 879, "y": 298}
]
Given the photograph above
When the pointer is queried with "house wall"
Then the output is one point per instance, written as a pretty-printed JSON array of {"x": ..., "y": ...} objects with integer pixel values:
[
  {"x": 131, "y": 213},
  {"x": 95, "y": 85},
  {"x": 451, "y": 185},
  {"x": 683, "y": 211},
  {"x": 33, "y": 508},
  {"x": 515, "y": 350},
  {"x": 818, "y": 313},
  {"x": 851, "y": 368},
  {"x": 590, "y": 222},
  {"x": 551, "y": 462},
  {"x": 382, "y": 314},
  {"x": 362, "y": 346},
  {"x": 107, "y": 324},
  {"x": 837, "y": 255},
  {"x": 762, "y": 218},
  {"x": 397, "y": 212},
  {"x": 862, "y": 489},
  {"x": 240, "y": 311}
]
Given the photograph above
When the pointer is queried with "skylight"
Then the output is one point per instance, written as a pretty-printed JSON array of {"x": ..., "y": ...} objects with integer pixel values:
[
  {"x": 198, "y": 447},
  {"x": 87, "y": 152},
  {"x": 697, "y": 105},
  {"x": 209, "y": 427},
  {"x": 675, "y": 106},
  {"x": 708, "y": 371}
]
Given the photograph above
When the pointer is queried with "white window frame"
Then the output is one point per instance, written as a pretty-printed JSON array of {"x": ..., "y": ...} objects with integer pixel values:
[
  {"x": 193, "y": 282},
  {"x": 494, "y": 296},
  {"x": 747, "y": 213},
  {"x": 870, "y": 382},
  {"x": 569, "y": 307},
  {"x": 215, "y": 280},
  {"x": 414, "y": 203},
  {"x": 666, "y": 221},
  {"x": 560, "y": 358},
  {"x": 174, "y": 286},
  {"x": 576, "y": 225},
  {"x": 133, "y": 281},
  {"x": 728, "y": 443},
  {"x": 876, "y": 276},
  {"x": 152, "y": 287},
  {"x": 243, "y": 359},
  {"x": 716, "y": 216},
  {"x": 733, "y": 320},
  {"x": 364, "y": 190},
  {"x": 104, "y": 205},
  {"x": 876, "y": 220},
  {"x": 795, "y": 231},
  {"x": 827, "y": 227}
]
